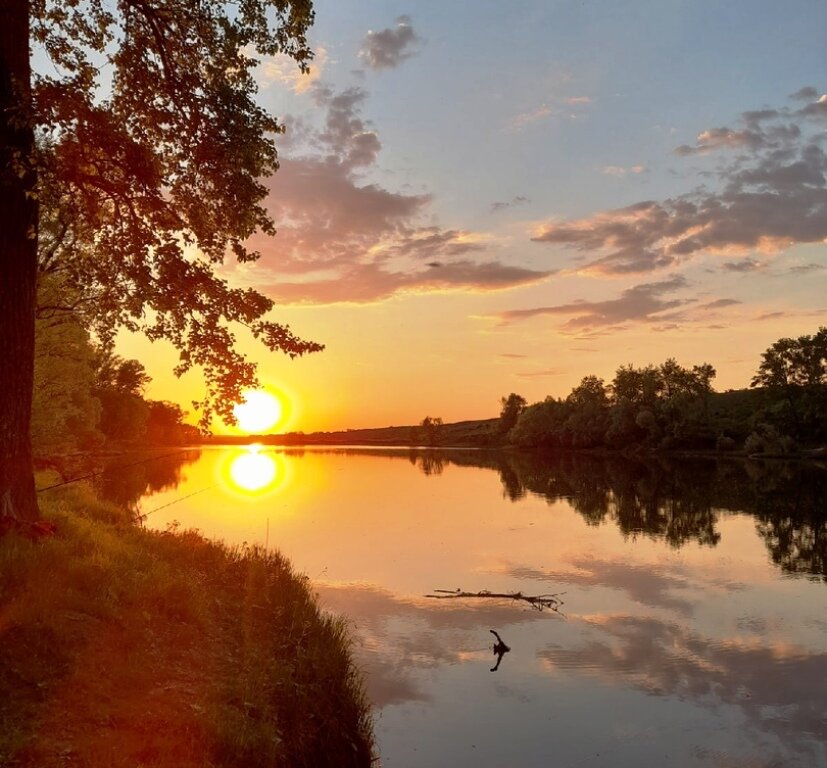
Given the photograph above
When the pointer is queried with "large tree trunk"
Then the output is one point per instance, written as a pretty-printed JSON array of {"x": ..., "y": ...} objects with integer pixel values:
[{"x": 18, "y": 266}]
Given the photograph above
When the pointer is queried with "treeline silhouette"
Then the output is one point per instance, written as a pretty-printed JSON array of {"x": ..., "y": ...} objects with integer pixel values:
[
  {"x": 679, "y": 501},
  {"x": 670, "y": 407}
]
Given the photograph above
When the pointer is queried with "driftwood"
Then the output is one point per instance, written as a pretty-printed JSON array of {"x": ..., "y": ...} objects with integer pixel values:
[{"x": 552, "y": 601}]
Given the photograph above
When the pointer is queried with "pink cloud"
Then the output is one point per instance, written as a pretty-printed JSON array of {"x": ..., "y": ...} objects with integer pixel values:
[{"x": 344, "y": 239}]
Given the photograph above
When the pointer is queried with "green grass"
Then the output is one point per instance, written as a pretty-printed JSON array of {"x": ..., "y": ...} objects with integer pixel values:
[{"x": 125, "y": 647}]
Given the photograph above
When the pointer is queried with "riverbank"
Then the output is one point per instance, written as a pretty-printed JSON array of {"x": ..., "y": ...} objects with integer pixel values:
[{"x": 123, "y": 647}]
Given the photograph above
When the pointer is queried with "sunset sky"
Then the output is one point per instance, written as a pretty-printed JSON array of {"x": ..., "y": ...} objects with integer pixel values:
[{"x": 479, "y": 198}]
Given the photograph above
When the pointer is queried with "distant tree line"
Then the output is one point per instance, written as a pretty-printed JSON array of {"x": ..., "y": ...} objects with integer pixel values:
[
  {"x": 670, "y": 407},
  {"x": 86, "y": 397}
]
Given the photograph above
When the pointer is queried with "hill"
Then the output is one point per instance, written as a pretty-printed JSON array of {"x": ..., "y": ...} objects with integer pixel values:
[{"x": 475, "y": 433}]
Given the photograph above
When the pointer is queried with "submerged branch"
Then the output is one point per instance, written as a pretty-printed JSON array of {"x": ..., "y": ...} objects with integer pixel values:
[{"x": 550, "y": 601}]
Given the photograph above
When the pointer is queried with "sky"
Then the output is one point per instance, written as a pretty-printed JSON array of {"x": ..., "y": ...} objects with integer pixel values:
[{"x": 479, "y": 198}]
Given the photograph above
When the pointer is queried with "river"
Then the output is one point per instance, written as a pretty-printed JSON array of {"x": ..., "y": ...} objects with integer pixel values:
[{"x": 687, "y": 624}]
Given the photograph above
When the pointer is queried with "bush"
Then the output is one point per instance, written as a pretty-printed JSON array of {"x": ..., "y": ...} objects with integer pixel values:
[
  {"x": 788, "y": 444},
  {"x": 754, "y": 443},
  {"x": 724, "y": 443}
]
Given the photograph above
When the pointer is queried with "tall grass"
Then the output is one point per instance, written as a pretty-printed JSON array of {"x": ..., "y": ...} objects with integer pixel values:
[{"x": 106, "y": 618}]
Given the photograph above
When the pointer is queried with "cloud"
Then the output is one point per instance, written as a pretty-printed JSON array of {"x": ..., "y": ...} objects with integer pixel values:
[
  {"x": 347, "y": 138},
  {"x": 817, "y": 108},
  {"x": 644, "y": 584},
  {"x": 718, "y": 138},
  {"x": 388, "y": 48},
  {"x": 640, "y": 303},
  {"x": 362, "y": 283},
  {"x": 743, "y": 265},
  {"x": 282, "y": 69},
  {"x": 343, "y": 239},
  {"x": 807, "y": 93},
  {"x": 779, "y": 689},
  {"x": 399, "y": 636},
  {"x": 428, "y": 242},
  {"x": 524, "y": 119},
  {"x": 804, "y": 269},
  {"x": 578, "y": 100},
  {"x": 772, "y": 315},
  {"x": 770, "y": 196},
  {"x": 501, "y": 206},
  {"x": 719, "y": 304},
  {"x": 539, "y": 374},
  {"x": 619, "y": 170}
]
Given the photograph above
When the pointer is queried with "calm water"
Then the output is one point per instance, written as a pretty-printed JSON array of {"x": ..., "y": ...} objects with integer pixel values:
[{"x": 694, "y": 625}]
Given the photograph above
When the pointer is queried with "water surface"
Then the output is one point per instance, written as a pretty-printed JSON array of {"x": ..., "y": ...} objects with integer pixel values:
[{"x": 693, "y": 629}]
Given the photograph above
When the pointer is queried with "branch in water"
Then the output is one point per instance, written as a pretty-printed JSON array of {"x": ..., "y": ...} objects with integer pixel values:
[{"x": 552, "y": 601}]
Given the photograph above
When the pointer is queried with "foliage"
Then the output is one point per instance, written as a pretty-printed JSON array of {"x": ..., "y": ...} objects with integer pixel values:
[
  {"x": 669, "y": 407},
  {"x": 153, "y": 156},
  {"x": 84, "y": 395},
  {"x": 662, "y": 406},
  {"x": 165, "y": 425},
  {"x": 512, "y": 407},
  {"x": 793, "y": 377},
  {"x": 540, "y": 425},
  {"x": 65, "y": 412},
  {"x": 430, "y": 429}
]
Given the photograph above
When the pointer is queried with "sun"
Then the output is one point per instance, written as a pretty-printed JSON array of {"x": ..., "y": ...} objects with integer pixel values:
[{"x": 259, "y": 411}]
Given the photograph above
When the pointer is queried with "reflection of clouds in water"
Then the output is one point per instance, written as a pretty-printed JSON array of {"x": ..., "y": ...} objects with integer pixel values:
[
  {"x": 781, "y": 689},
  {"x": 645, "y": 584},
  {"x": 399, "y": 637}
]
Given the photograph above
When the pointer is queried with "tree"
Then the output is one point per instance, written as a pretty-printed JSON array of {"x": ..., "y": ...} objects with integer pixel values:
[
  {"x": 430, "y": 427},
  {"x": 794, "y": 374},
  {"x": 641, "y": 386},
  {"x": 588, "y": 405},
  {"x": 119, "y": 386},
  {"x": 540, "y": 425},
  {"x": 512, "y": 407},
  {"x": 65, "y": 412},
  {"x": 140, "y": 155},
  {"x": 165, "y": 424}
]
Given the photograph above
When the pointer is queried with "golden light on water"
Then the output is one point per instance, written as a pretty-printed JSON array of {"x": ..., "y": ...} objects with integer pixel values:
[
  {"x": 259, "y": 411},
  {"x": 253, "y": 471}
]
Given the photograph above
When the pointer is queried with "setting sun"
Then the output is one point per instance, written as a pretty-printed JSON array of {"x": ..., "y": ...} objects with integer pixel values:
[{"x": 259, "y": 411}]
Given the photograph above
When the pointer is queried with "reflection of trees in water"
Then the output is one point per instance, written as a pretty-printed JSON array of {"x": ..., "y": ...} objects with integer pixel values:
[
  {"x": 124, "y": 482},
  {"x": 792, "y": 518},
  {"x": 428, "y": 462},
  {"x": 676, "y": 499},
  {"x": 640, "y": 498}
]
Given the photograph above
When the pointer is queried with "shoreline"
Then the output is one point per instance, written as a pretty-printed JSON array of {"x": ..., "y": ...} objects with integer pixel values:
[{"x": 123, "y": 646}]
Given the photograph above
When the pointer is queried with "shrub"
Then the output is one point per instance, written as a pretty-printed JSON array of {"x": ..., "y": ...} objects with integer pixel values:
[{"x": 754, "y": 443}]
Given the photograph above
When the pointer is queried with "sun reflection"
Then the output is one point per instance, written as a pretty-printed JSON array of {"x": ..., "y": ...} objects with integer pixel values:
[{"x": 254, "y": 472}]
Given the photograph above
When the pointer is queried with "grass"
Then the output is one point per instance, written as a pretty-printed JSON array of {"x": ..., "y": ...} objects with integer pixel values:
[{"x": 125, "y": 647}]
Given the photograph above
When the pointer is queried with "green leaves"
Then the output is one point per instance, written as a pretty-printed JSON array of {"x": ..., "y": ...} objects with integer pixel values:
[{"x": 152, "y": 151}]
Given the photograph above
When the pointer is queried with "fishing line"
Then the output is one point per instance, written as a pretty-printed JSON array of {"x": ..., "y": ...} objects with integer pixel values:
[{"x": 144, "y": 515}]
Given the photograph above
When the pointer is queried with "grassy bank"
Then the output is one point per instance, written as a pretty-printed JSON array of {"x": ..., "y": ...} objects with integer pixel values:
[{"x": 125, "y": 647}]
